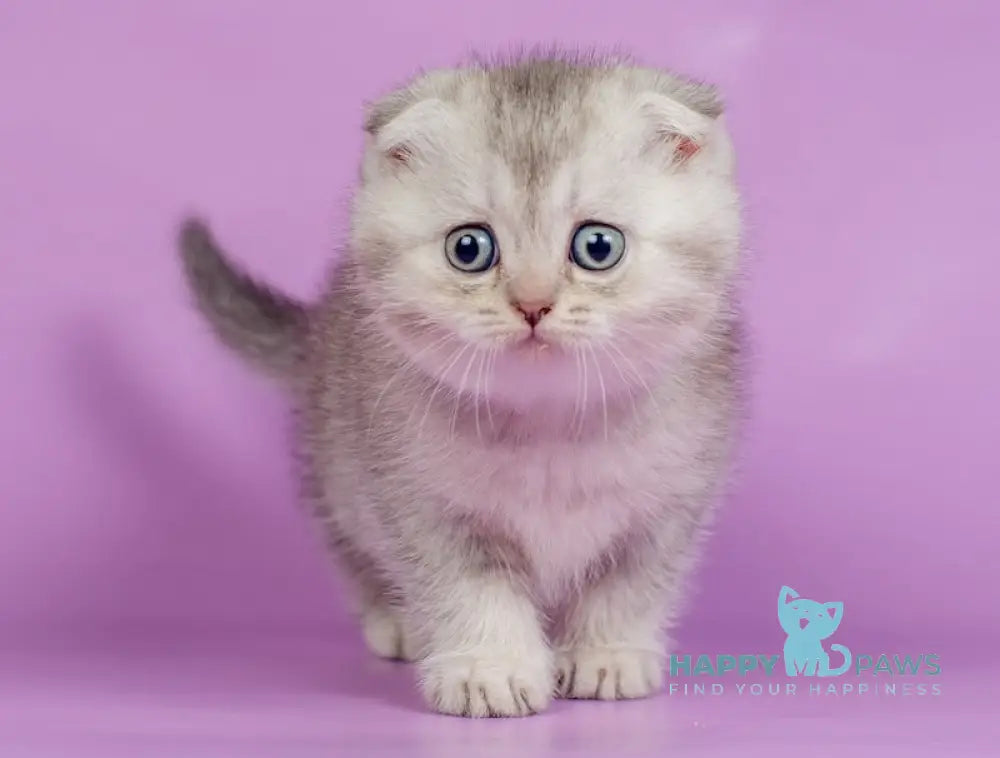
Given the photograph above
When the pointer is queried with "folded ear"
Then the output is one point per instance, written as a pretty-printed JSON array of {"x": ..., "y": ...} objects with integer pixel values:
[
  {"x": 405, "y": 131},
  {"x": 674, "y": 126}
]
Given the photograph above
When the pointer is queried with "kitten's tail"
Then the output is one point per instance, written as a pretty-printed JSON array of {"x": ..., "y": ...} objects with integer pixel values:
[{"x": 263, "y": 326}]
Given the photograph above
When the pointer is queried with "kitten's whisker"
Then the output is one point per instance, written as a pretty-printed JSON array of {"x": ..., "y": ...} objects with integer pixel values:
[
  {"x": 604, "y": 393},
  {"x": 577, "y": 405},
  {"x": 418, "y": 403},
  {"x": 640, "y": 379},
  {"x": 479, "y": 383},
  {"x": 586, "y": 392},
  {"x": 621, "y": 375},
  {"x": 438, "y": 383},
  {"x": 489, "y": 375},
  {"x": 460, "y": 390},
  {"x": 407, "y": 364},
  {"x": 576, "y": 388}
]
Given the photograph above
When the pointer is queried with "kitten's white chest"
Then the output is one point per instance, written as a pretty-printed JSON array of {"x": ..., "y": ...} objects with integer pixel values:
[{"x": 563, "y": 503}]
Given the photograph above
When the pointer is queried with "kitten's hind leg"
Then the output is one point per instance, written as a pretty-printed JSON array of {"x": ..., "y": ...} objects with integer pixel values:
[
  {"x": 379, "y": 608},
  {"x": 385, "y": 631}
]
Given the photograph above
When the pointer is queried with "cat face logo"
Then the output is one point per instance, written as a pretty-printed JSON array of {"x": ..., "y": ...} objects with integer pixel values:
[{"x": 807, "y": 623}]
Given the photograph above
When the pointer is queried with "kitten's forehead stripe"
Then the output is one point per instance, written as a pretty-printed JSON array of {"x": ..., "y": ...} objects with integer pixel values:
[{"x": 540, "y": 111}]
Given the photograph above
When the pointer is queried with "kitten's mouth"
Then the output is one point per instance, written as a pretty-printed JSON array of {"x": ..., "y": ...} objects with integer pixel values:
[
  {"x": 803, "y": 623},
  {"x": 534, "y": 346},
  {"x": 534, "y": 339}
]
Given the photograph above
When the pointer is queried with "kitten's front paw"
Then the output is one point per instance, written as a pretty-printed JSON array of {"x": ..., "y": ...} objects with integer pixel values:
[
  {"x": 607, "y": 673},
  {"x": 477, "y": 686}
]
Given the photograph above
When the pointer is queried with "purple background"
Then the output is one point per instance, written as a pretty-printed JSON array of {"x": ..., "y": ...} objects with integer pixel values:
[{"x": 147, "y": 497}]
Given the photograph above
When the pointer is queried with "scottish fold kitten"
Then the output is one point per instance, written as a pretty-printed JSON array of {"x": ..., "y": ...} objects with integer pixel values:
[
  {"x": 807, "y": 623},
  {"x": 516, "y": 398}
]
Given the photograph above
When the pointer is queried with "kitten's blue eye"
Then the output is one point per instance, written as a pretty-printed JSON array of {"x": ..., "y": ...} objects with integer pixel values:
[
  {"x": 597, "y": 247},
  {"x": 471, "y": 249}
]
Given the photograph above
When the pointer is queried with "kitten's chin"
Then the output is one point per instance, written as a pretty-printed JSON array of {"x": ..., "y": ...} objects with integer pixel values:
[{"x": 535, "y": 374}]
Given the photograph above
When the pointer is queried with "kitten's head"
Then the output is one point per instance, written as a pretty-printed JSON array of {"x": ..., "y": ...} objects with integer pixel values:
[
  {"x": 538, "y": 219},
  {"x": 799, "y": 615}
]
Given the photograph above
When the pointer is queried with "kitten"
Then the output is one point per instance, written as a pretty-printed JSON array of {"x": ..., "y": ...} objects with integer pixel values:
[
  {"x": 807, "y": 623},
  {"x": 516, "y": 399}
]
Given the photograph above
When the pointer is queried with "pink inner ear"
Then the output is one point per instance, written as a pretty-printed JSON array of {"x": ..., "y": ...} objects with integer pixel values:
[
  {"x": 399, "y": 153},
  {"x": 686, "y": 147}
]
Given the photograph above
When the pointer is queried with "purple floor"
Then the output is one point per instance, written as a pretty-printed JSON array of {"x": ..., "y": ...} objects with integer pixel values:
[
  {"x": 145, "y": 478},
  {"x": 288, "y": 696}
]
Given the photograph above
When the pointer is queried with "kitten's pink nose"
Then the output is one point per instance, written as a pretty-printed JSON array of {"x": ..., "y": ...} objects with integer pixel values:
[
  {"x": 803, "y": 623},
  {"x": 533, "y": 312}
]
